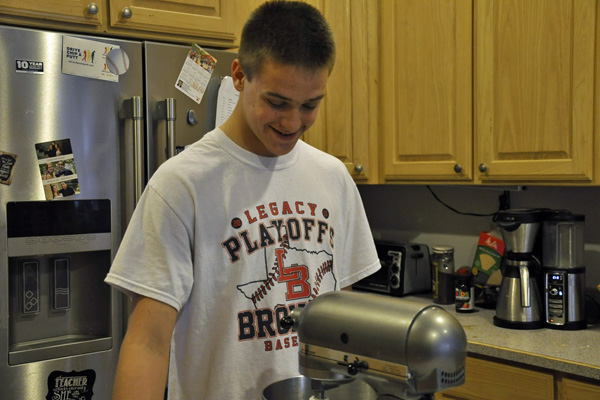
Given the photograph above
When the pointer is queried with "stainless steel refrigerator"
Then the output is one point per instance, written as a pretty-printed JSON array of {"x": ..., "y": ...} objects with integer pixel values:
[{"x": 77, "y": 143}]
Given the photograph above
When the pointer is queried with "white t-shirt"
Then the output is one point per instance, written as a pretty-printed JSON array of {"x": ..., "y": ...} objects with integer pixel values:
[{"x": 234, "y": 242}]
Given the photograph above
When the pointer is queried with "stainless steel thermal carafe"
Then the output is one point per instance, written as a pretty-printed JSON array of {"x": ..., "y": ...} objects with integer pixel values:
[{"x": 519, "y": 300}]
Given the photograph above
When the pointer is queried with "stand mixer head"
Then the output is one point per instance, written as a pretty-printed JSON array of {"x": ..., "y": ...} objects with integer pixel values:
[{"x": 397, "y": 347}]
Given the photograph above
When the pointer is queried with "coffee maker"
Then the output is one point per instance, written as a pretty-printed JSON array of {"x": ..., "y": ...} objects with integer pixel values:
[
  {"x": 563, "y": 270},
  {"x": 519, "y": 303}
]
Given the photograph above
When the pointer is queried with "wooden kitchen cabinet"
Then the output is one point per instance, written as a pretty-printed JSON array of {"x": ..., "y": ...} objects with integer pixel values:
[
  {"x": 490, "y": 380},
  {"x": 487, "y": 91},
  {"x": 208, "y": 21},
  {"x": 426, "y": 86},
  {"x": 215, "y": 23},
  {"x": 534, "y": 89},
  {"x": 84, "y": 14},
  {"x": 572, "y": 389},
  {"x": 347, "y": 122}
]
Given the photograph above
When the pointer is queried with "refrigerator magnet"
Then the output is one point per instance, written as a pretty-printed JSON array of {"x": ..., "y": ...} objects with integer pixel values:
[
  {"x": 195, "y": 74},
  {"x": 117, "y": 61},
  {"x": 87, "y": 58},
  {"x": 57, "y": 169},
  {"x": 75, "y": 385},
  {"x": 7, "y": 165}
]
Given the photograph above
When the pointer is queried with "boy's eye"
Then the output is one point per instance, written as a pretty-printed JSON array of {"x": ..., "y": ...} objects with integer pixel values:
[
  {"x": 282, "y": 104},
  {"x": 276, "y": 103}
]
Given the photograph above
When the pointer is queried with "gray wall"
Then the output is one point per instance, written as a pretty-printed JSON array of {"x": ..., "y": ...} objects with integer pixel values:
[{"x": 410, "y": 214}]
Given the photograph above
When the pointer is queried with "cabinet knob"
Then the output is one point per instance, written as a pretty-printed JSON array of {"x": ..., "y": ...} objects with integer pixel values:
[
  {"x": 457, "y": 168},
  {"x": 92, "y": 8},
  {"x": 482, "y": 167},
  {"x": 126, "y": 12},
  {"x": 358, "y": 168}
]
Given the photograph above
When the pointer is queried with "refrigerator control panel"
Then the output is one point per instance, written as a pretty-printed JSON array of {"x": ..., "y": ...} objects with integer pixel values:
[{"x": 58, "y": 227}]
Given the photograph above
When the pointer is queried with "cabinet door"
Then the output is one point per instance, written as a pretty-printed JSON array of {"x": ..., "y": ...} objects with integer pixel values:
[
  {"x": 347, "y": 122},
  {"x": 570, "y": 389},
  {"x": 488, "y": 380},
  {"x": 426, "y": 90},
  {"x": 84, "y": 12},
  {"x": 534, "y": 89},
  {"x": 210, "y": 21}
]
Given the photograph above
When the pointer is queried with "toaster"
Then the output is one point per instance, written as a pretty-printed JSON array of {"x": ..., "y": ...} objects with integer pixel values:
[{"x": 405, "y": 269}]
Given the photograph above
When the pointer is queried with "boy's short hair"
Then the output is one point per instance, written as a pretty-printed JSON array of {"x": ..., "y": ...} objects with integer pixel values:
[{"x": 288, "y": 32}]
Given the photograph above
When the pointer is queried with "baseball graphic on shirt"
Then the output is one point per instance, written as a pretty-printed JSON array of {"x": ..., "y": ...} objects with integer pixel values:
[
  {"x": 295, "y": 280},
  {"x": 117, "y": 61}
]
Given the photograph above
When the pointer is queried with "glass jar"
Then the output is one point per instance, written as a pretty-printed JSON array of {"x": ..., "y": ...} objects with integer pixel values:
[
  {"x": 464, "y": 290},
  {"x": 442, "y": 285}
]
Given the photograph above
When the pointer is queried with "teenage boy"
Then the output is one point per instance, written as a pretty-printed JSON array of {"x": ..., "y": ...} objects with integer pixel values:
[{"x": 242, "y": 227}]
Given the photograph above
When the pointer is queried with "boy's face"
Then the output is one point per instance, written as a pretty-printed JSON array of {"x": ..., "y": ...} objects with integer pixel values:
[{"x": 280, "y": 103}]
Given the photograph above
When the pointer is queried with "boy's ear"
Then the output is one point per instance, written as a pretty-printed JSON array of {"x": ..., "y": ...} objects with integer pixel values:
[{"x": 238, "y": 75}]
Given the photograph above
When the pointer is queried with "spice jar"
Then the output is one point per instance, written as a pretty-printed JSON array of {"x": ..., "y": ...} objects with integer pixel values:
[
  {"x": 442, "y": 263},
  {"x": 464, "y": 290}
]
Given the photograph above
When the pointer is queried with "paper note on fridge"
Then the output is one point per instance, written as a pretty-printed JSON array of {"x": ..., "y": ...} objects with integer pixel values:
[
  {"x": 226, "y": 101},
  {"x": 87, "y": 58},
  {"x": 195, "y": 74}
]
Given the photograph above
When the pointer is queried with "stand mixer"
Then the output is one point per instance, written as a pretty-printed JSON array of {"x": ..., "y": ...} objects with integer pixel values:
[{"x": 375, "y": 346}]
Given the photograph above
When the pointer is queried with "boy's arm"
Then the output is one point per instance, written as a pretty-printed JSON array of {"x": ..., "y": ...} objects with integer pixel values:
[{"x": 144, "y": 357}]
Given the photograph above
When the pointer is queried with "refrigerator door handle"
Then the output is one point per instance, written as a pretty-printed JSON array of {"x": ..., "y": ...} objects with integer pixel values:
[
  {"x": 133, "y": 111},
  {"x": 167, "y": 111}
]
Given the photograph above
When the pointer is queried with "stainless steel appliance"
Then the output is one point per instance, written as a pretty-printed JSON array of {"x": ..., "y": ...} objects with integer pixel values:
[
  {"x": 519, "y": 303},
  {"x": 405, "y": 269},
  {"x": 399, "y": 348},
  {"x": 60, "y": 325},
  {"x": 173, "y": 120},
  {"x": 564, "y": 270}
]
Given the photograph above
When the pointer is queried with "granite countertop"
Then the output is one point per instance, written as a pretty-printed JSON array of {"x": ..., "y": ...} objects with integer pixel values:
[{"x": 573, "y": 352}]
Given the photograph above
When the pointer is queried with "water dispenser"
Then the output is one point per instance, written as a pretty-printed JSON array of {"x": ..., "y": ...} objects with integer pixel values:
[{"x": 58, "y": 255}]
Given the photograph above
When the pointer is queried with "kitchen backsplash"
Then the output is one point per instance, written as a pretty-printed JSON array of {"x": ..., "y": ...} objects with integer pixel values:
[{"x": 411, "y": 214}]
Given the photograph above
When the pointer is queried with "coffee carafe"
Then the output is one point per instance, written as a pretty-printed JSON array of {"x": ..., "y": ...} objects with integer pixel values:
[
  {"x": 519, "y": 303},
  {"x": 564, "y": 270}
]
